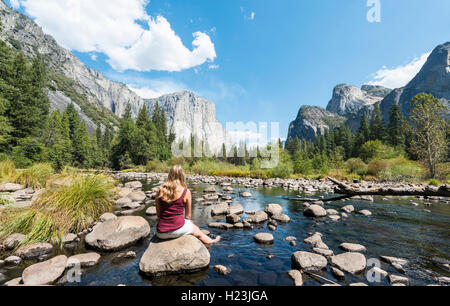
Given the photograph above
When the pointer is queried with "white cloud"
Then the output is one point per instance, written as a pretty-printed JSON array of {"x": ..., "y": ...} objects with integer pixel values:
[
  {"x": 114, "y": 27},
  {"x": 213, "y": 66},
  {"x": 15, "y": 4},
  {"x": 156, "y": 88},
  {"x": 252, "y": 16},
  {"x": 399, "y": 76},
  {"x": 94, "y": 57}
]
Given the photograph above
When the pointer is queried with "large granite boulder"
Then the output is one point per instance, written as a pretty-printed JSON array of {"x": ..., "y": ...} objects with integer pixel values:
[
  {"x": 182, "y": 255},
  {"x": 13, "y": 241},
  {"x": 273, "y": 209},
  {"x": 315, "y": 211},
  {"x": 117, "y": 234},
  {"x": 45, "y": 273}
]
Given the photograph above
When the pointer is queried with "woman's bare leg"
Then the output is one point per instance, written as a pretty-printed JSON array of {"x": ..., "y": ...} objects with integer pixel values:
[{"x": 204, "y": 238}]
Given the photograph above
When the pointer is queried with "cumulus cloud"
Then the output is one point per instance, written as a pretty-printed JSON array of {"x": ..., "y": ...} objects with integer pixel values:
[
  {"x": 122, "y": 30},
  {"x": 399, "y": 76}
]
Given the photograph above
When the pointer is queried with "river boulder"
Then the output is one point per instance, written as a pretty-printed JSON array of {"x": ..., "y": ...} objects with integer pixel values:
[
  {"x": 350, "y": 262},
  {"x": 45, "y": 273},
  {"x": 308, "y": 261},
  {"x": 273, "y": 209},
  {"x": 315, "y": 211},
  {"x": 182, "y": 255},
  {"x": 118, "y": 234}
]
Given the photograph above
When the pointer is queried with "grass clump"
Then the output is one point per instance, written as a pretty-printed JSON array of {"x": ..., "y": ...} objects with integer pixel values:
[
  {"x": 66, "y": 209},
  {"x": 35, "y": 176},
  {"x": 434, "y": 182}
]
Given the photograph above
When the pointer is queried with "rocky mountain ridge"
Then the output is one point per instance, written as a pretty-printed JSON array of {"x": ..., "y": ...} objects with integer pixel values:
[{"x": 349, "y": 103}]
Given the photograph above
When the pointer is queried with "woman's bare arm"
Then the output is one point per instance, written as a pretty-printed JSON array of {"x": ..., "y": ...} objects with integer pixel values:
[{"x": 188, "y": 207}]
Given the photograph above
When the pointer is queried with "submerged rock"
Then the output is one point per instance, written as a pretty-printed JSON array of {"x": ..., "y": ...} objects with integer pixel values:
[
  {"x": 220, "y": 225},
  {"x": 308, "y": 261},
  {"x": 182, "y": 255},
  {"x": 246, "y": 195},
  {"x": 118, "y": 234},
  {"x": 45, "y": 273}
]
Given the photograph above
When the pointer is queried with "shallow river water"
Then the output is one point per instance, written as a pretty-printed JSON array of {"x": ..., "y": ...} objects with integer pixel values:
[{"x": 420, "y": 234}]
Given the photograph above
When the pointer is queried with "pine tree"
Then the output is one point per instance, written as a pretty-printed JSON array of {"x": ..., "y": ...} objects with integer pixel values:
[
  {"x": 396, "y": 134},
  {"x": 82, "y": 147},
  {"x": 377, "y": 126}
]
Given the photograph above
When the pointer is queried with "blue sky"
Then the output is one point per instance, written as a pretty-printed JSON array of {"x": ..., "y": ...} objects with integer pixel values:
[{"x": 258, "y": 60}]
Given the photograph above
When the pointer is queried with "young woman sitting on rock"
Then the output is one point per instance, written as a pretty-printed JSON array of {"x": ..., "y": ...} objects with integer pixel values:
[{"x": 174, "y": 208}]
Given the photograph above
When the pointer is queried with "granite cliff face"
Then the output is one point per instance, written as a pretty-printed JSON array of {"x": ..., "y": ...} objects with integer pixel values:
[
  {"x": 433, "y": 78},
  {"x": 189, "y": 114},
  {"x": 313, "y": 121},
  {"x": 349, "y": 103},
  {"x": 98, "y": 99}
]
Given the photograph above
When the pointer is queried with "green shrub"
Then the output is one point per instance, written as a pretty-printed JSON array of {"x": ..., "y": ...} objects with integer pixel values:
[
  {"x": 434, "y": 182},
  {"x": 376, "y": 166},
  {"x": 356, "y": 165},
  {"x": 303, "y": 166}
]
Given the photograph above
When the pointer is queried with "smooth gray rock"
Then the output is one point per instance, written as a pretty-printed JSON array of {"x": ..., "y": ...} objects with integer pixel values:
[
  {"x": 137, "y": 196},
  {"x": 107, "y": 217},
  {"x": 13, "y": 241},
  {"x": 297, "y": 277},
  {"x": 308, "y": 261},
  {"x": 236, "y": 209},
  {"x": 352, "y": 247},
  {"x": 258, "y": 217},
  {"x": 33, "y": 251},
  {"x": 220, "y": 209},
  {"x": 349, "y": 262},
  {"x": 182, "y": 255},
  {"x": 264, "y": 238},
  {"x": 348, "y": 209},
  {"x": 151, "y": 211},
  {"x": 220, "y": 225},
  {"x": 283, "y": 218},
  {"x": 118, "y": 234},
  {"x": 246, "y": 194},
  {"x": 315, "y": 211},
  {"x": 397, "y": 279},
  {"x": 222, "y": 270},
  {"x": 45, "y": 273},
  {"x": 273, "y": 209},
  {"x": 13, "y": 261},
  {"x": 84, "y": 260}
]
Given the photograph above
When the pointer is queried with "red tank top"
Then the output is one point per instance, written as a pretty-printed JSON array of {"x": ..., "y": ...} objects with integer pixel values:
[{"x": 171, "y": 215}]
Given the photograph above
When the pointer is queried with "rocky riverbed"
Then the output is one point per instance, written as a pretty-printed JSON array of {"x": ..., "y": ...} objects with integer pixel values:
[{"x": 271, "y": 236}]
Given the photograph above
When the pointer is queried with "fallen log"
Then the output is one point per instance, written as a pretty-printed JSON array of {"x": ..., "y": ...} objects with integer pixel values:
[{"x": 427, "y": 191}]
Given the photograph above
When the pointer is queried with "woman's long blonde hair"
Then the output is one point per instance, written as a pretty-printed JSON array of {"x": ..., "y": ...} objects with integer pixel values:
[{"x": 176, "y": 179}]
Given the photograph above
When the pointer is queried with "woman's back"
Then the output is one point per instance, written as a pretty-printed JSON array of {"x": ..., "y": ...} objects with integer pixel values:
[{"x": 171, "y": 214}]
